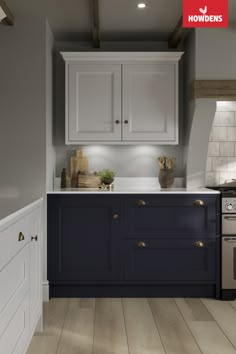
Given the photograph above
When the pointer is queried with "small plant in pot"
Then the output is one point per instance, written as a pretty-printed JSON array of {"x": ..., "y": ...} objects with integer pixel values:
[
  {"x": 166, "y": 175},
  {"x": 107, "y": 176}
]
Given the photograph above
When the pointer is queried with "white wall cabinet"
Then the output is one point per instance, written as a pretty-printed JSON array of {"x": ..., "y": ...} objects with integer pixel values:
[
  {"x": 122, "y": 98},
  {"x": 20, "y": 278},
  {"x": 94, "y": 102}
]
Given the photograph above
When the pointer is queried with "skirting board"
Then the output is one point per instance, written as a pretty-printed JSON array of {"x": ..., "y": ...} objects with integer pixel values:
[{"x": 45, "y": 291}]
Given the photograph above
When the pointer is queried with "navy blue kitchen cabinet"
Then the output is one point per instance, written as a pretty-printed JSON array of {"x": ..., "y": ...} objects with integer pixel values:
[
  {"x": 141, "y": 245},
  {"x": 83, "y": 239}
]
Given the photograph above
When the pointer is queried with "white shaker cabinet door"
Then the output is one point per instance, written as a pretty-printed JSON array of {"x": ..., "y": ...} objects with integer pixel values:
[
  {"x": 150, "y": 96},
  {"x": 93, "y": 102}
]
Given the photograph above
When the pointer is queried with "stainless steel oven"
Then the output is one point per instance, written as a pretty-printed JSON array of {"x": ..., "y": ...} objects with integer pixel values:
[{"x": 228, "y": 243}]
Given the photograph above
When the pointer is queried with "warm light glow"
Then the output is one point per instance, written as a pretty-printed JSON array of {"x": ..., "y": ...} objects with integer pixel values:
[{"x": 141, "y": 5}]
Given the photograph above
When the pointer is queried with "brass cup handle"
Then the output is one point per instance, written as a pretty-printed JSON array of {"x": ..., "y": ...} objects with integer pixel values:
[
  {"x": 21, "y": 237},
  {"x": 34, "y": 238},
  {"x": 199, "y": 203},
  {"x": 140, "y": 244},
  {"x": 141, "y": 202},
  {"x": 199, "y": 244},
  {"x": 115, "y": 216}
]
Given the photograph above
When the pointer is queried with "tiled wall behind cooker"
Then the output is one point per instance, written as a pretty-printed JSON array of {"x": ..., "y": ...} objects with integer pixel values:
[{"x": 221, "y": 160}]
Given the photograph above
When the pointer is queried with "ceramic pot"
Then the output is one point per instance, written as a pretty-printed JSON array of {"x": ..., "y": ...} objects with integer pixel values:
[
  {"x": 166, "y": 178},
  {"x": 107, "y": 180}
]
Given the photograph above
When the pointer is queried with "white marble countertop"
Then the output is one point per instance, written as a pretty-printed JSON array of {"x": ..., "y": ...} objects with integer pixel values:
[{"x": 133, "y": 191}]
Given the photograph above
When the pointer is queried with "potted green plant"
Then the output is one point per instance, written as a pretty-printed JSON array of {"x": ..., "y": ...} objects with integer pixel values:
[{"x": 107, "y": 176}]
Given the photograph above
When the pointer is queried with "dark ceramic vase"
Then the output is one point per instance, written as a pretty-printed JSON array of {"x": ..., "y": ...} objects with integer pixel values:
[
  {"x": 107, "y": 180},
  {"x": 166, "y": 178}
]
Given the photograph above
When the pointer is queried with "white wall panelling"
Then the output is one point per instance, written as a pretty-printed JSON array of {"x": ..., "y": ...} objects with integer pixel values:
[{"x": 20, "y": 278}]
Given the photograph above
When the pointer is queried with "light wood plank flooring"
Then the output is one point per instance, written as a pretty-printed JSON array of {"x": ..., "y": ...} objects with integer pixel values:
[{"x": 137, "y": 326}]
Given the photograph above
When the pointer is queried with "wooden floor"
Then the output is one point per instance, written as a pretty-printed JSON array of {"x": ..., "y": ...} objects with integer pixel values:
[{"x": 137, "y": 326}]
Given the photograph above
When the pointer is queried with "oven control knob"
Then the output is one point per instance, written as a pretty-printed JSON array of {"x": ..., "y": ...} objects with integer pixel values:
[{"x": 229, "y": 206}]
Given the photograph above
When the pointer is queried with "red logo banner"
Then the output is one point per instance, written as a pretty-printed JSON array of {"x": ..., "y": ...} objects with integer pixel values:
[{"x": 205, "y": 13}]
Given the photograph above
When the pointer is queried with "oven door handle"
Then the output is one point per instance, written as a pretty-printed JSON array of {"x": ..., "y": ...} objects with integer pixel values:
[
  {"x": 231, "y": 218},
  {"x": 230, "y": 240}
]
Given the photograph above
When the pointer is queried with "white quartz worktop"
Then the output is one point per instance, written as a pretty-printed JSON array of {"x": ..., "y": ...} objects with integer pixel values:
[
  {"x": 135, "y": 185},
  {"x": 134, "y": 191}
]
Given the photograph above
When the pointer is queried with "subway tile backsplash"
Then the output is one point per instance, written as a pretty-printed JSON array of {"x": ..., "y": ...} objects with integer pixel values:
[{"x": 221, "y": 161}]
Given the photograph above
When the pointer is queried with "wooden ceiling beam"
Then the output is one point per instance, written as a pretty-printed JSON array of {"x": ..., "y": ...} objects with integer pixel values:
[
  {"x": 178, "y": 35},
  {"x": 9, "y": 19},
  {"x": 95, "y": 23},
  {"x": 221, "y": 89}
]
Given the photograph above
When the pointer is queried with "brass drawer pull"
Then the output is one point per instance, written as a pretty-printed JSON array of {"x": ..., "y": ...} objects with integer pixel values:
[
  {"x": 199, "y": 203},
  {"x": 141, "y": 202},
  {"x": 140, "y": 244},
  {"x": 199, "y": 244},
  {"x": 21, "y": 237},
  {"x": 115, "y": 216},
  {"x": 34, "y": 238}
]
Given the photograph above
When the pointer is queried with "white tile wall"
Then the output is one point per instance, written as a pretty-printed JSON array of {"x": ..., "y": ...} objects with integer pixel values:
[{"x": 221, "y": 161}]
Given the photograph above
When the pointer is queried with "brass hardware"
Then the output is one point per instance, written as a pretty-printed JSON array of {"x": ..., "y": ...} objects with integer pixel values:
[
  {"x": 21, "y": 237},
  {"x": 141, "y": 202},
  {"x": 140, "y": 244},
  {"x": 117, "y": 121},
  {"x": 199, "y": 244},
  {"x": 115, "y": 216},
  {"x": 34, "y": 238},
  {"x": 126, "y": 121},
  {"x": 199, "y": 203}
]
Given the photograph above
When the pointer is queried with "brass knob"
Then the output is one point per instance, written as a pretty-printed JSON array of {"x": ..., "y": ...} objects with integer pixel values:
[
  {"x": 115, "y": 216},
  {"x": 141, "y": 202},
  {"x": 199, "y": 244},
  {"x": 34, "y": 238},
  {"x": 199, "y": 203},
  {"x": 117, "y": 121},
  {"x": 126, "y": 121},
  {"x": 21, "y": 237},
  {"x": 140, "y": 244}
]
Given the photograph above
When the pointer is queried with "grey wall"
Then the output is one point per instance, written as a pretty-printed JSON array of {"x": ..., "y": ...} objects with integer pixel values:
[
  {"x": 50, "y": 153},
  {"x": 22, "y": 103},
  {"x": 126, "y": 161}
]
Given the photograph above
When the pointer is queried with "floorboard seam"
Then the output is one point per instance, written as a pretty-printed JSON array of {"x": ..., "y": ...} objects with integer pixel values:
[
  {"x": 218, "y": 324},
  {"x": 126, "y": 332},
  {"x": 188, "y": 326},
  {"x": 156, "y": 325},
  {"x": 94, "y": 322},
  {"x": 63, "y": 325}
]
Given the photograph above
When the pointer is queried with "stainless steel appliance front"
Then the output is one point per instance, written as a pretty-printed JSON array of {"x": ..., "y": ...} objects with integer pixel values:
[{"x": 228, "y": 243}]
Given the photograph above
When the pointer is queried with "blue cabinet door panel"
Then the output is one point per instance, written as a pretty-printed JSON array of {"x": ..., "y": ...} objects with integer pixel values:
[
  {"x": 174, "y": 216},
  {"x": 170, "y": 260},
  {"x": 84, "y": 241}
]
